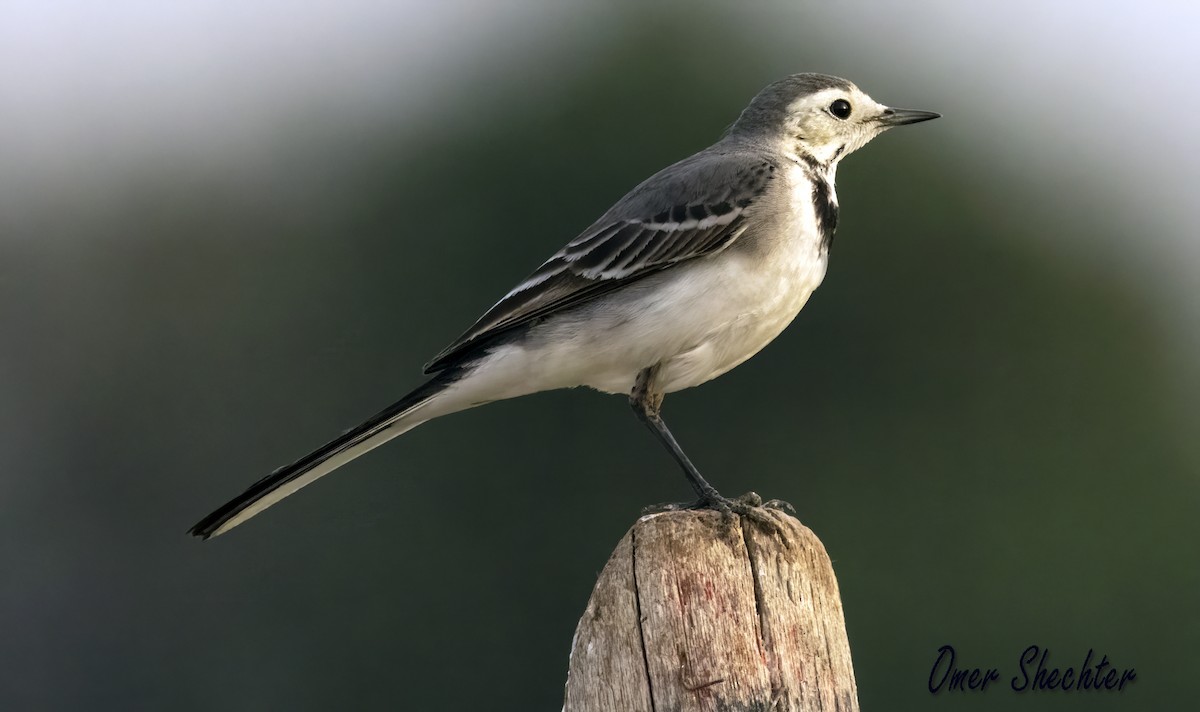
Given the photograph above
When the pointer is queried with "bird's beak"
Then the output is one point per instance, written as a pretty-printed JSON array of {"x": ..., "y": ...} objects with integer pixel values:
[{"x": 899, "y": 117}]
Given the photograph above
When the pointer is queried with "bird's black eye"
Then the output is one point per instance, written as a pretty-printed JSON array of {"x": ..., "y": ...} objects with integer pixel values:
[{"x": 840, "y": 109}]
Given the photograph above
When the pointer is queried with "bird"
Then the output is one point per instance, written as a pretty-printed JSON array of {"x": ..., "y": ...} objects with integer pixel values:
[{"x": 688, "y": 275}]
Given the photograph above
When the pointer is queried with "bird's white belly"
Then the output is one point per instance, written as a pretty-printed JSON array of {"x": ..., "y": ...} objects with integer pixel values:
[
  {"x": 754, "y": 311},
  {"x": 699, "y": 321}
]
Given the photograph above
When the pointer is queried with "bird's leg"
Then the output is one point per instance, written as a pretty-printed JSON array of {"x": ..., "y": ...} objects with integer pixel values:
[{"x": 646, "y": 399}]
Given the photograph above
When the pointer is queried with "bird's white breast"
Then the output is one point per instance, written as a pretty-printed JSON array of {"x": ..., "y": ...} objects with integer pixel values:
[
  {"x": 779, "y": 282},
  {"x": 698, "y": 320},
  {"x": 739, "y": 301}
]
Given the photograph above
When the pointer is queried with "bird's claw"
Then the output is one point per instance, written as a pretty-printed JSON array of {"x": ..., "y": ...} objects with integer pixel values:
[
  {"x": 780, "y": 505},
  {"x": 677, "y": 507},
  {"x": 749, "y": 506}
]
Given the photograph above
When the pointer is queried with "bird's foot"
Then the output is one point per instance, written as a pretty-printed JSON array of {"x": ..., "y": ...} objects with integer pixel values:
[
  {"x": 725, "y": 505},
  {"x": 749, "y": 506},
  {"x": 675, "y": 507}
]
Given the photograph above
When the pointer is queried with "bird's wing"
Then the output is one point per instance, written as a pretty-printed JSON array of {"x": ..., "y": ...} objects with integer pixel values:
[{"x": 694, "y": 208}]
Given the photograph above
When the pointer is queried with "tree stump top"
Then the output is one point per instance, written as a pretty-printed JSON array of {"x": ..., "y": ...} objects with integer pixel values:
[{"x": 693, "y": 613}]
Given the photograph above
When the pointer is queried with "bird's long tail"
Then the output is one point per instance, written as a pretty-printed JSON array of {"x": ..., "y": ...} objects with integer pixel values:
[{"x": 410, "y": 411}]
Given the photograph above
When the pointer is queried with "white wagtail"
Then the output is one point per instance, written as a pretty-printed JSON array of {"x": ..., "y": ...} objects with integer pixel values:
[{"x": 690, "y": 274}]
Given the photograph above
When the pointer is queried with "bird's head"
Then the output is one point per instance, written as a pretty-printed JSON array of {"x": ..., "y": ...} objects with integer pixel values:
[{"x": 819, "y": 118}]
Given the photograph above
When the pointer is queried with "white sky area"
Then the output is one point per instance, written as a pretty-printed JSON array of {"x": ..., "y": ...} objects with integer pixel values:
[
  {"x": 1101, "y": 91},
  {"x": 1045, "y": 92},
  {"x": 86, "y": 84}
]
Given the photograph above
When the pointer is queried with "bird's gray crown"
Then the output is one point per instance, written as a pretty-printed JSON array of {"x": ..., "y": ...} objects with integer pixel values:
[{"x": 769, "y": 109}]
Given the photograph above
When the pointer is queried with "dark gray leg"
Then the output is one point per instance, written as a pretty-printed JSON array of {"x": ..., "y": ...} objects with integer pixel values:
[{"x": 646, "y": 401}]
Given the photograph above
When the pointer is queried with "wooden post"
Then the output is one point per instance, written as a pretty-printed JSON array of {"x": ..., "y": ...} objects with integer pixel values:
[{"x": 694, "y": 614}]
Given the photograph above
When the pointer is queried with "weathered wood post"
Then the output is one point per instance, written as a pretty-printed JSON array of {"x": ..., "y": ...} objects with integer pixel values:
[{"x": 693, "y": 614}]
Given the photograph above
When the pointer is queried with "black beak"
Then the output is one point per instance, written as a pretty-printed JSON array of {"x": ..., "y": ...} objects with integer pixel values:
[{"x": 900, "y": 117}]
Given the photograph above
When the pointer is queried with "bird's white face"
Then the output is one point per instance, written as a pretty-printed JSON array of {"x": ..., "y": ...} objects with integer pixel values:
[{"x": 831, "y": 124}]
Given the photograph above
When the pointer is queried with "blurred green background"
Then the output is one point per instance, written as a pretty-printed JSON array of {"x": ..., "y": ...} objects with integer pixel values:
[{"x": 228, "y": 233}]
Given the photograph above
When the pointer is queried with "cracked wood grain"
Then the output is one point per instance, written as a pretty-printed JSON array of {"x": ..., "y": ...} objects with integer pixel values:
[{"x": 691, "y": 614}]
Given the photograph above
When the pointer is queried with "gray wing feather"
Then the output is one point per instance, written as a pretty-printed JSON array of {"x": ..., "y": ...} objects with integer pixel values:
[{"x": 693, "y": 208}]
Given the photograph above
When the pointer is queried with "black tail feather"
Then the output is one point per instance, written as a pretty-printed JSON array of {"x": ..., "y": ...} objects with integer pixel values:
[{"x": 378, "y": 423}]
